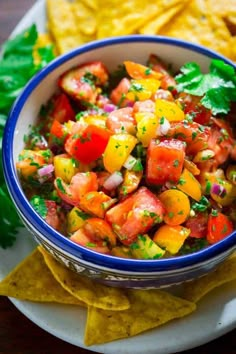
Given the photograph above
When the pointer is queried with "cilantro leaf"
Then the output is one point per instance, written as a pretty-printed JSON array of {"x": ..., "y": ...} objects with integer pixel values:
[
  {"x": 9, "y": 225},
  {"x": 217, "y": 88},
  {"x": 22, "y": 42},
  {"x": 17, "y": 66},
  {"x": 39, "y": 205}
]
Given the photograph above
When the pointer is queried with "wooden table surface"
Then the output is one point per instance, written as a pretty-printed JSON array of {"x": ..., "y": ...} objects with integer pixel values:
[{"x": 18, "y": 335}]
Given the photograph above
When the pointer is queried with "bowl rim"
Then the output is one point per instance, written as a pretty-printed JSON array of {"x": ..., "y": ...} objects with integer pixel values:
[{"x": 21, "y": 202}]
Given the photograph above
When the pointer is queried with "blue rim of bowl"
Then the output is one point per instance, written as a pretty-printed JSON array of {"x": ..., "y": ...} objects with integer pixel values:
[{"x": 21, "y": 202}]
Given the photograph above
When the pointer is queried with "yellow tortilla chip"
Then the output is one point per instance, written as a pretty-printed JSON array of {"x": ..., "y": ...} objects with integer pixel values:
[
  {"x": 85, "y": 289},
  {"x": 154, "y": 26},
  {"x": 32, "y": 280},
  {"x": 233, "y": 46},
  {"x": 221, "y": 8},
  {"x": 85, "y": 19},
  {"x": 127, "y": 17},
  {"x": 62, "y": 25},
  {"x": 92, "y": 4},
  {"x": 198, "y": 288},
  {"x": 148, "y": 309},
  {"x": 195, "y": 24}
]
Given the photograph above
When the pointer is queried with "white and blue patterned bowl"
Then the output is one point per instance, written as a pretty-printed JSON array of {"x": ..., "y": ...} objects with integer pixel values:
[{"x": 110, "y": 270}]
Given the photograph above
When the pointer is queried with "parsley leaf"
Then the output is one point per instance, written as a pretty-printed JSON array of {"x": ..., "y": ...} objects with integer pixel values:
[{"x": 217, "y": 88}]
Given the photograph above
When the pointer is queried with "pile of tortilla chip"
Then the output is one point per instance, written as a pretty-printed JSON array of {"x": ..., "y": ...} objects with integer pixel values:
[
  {"x": 207, "y": 22},
  {"x": 125, "y": 312}
]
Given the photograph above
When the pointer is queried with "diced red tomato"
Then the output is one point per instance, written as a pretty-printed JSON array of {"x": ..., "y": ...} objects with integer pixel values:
[
  {"x": 135, "y": 215},
  {"x": 195, "y": 135},
  {"x": 218, "y": 227},
  {"x": 95, "y": 234},
  {"x": 198, "y": 225},
  {"x": 52, "y": 217},
  {"x": 118, "y": 94},
  {"x": 76, "y": 85},
  {"x": 192, "y": 106},
  {"x": 88, "y": 143},
  {"x": 220, "y": 141},
  {"x": 57, "y": 130},
  {"x": 121, "y": 121},
  {"x": 165, "y": 161},
  {"x": 82, "y": 238},
  {"x": 81, "y": 183},
  {"x": 62, "y": 110}
]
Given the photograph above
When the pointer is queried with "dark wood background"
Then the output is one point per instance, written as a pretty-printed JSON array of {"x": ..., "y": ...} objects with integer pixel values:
[{"x": 18, "y": 335}]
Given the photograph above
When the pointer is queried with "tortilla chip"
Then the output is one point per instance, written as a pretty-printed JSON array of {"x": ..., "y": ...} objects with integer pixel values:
[
  {"x": 92, "y": 4},
  {"x": 127, "y": 17},
  {"x": 85, "y": 19},
  {"x": 84, "y": 289},
  {"x": 32, "y": 280},
  {"x": 233, "y": 45},
  {"x": 154, "y": 26},
  {"x": 62, "y": 25},
  {"x": 222, "y": 8},
  {"x": 148, "y": 309},
  {"x": 196, "y": 24},
  {"x": 198, "y": 288}
]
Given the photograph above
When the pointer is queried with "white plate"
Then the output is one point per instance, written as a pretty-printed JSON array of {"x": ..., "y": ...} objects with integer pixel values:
[{"x": 216, "y": 313}]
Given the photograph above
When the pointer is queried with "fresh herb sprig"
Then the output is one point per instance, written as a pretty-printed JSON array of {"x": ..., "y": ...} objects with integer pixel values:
[
  {"x": 17, "y": 66},
  {"x": 217, "y": 88}
]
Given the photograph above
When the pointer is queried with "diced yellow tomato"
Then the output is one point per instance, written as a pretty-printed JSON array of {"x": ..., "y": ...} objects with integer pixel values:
[
  {"x": 117, "y": 151},
  {"x": 146, "y": 128},
  {"x": 191, "y": 167},
  {"x": 139, "y": 71},
  {"x": 171, "y": 238},
  {"x": 142, "y": 89},
  {"x": 203, "y": 155},
  {"x": 177, "y": 206},
  {"x": 139, "y": 116},
  {"x": 190, "y": 185},
  {"x": 170, "y": 110},
  {"x": 145, "y": 248},
  {"x": 131, "y": 181},
  {"x": 97, "y": 120},
  {"x": 75, "y": 220},
  {"x": 30, "y": 161},
  {"x": 96, "y": 203},
  {"x": 64, "y": 167},
  {"x": 231, "y": 173},
  {"x": 121, "y": 251}
]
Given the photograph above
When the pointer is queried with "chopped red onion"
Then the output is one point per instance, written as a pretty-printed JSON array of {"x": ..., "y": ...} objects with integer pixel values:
[
  {"x": 113, "y": 181},
  {"x": 219, "y": 190},
  {"x": 109, "y": 107},
  {"x": 46, "y": 170}
]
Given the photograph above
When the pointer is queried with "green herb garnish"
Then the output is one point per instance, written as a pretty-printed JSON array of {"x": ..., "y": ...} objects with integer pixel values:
[
  {"x": 39, "y": 205},
  {"x": 217, "y": 88},
  {"x": 17, "y": 66}
]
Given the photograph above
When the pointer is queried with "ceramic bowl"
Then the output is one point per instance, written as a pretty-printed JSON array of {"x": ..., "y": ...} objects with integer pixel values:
[{"x": 113, "y": 271}]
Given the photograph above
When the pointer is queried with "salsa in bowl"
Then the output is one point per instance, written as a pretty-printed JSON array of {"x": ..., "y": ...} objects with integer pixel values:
[{"x": 123, "y": 160}]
